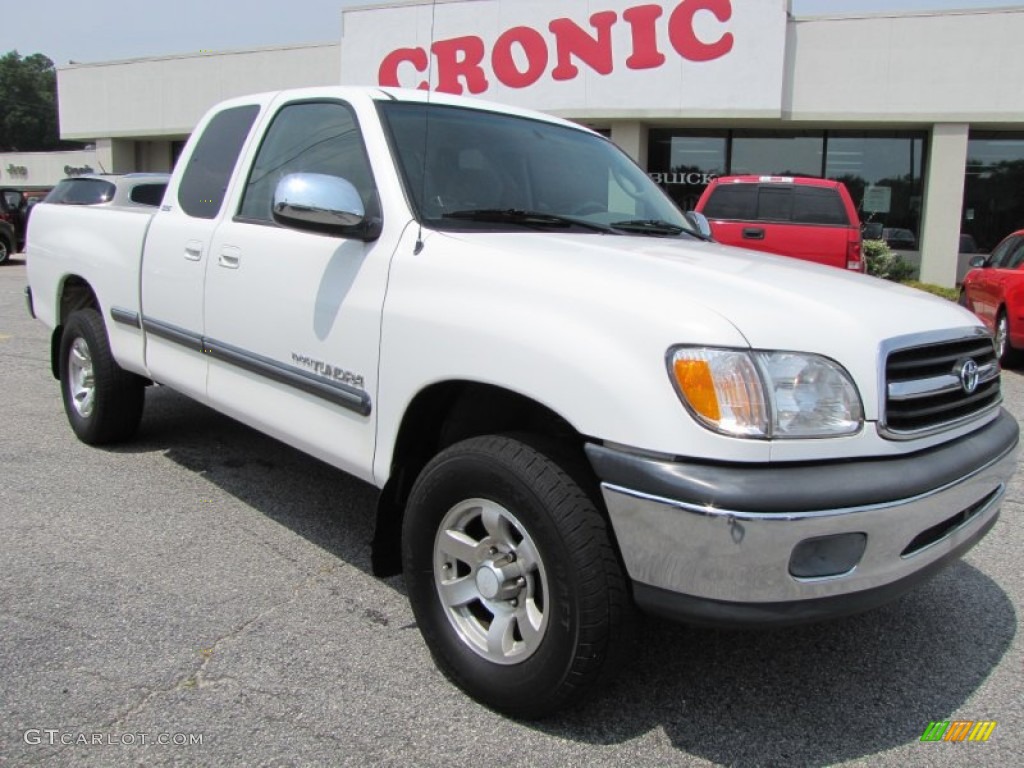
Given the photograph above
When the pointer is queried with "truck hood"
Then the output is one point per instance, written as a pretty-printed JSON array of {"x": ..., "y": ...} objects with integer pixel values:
[{"x": 773, "y": 302}]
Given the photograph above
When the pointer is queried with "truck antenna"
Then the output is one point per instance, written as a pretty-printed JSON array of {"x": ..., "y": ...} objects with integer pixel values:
[{"x": 426, "y": 131}]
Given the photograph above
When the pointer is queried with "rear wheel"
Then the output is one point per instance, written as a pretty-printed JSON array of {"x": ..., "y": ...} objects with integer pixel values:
[
  {"x": 103, "y": 402},
  {"x": 512, "y": 576},
  {"x": 5, "y": 250}
]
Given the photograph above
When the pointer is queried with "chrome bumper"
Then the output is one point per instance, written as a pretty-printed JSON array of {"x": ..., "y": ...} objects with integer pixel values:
[{"x": 744, "y": 556}]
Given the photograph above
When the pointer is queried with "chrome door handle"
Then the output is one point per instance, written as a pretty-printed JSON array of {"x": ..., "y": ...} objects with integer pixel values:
[
  {"x": 193, "y": 250},
  {"x": 229, "y": 257}
]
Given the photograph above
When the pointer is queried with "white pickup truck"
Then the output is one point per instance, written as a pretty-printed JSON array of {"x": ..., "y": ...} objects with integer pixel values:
[{"x": 572, "y": 401}]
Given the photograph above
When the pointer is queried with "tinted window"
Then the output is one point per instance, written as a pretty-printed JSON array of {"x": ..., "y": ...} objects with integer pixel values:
[
  {"x": 999, "y": 255},
  {"x": 732, "y": 201},
  {"x": 817, "y": 205},
  {"x": 1016, "y": 256},
  {"x": 209, "y": 170},
  {"x": 148, "y": 194},
  {"x": 317, "y": 137},
  {"x": 775, "y": 204},
  {"x": 81, "y": 192}
]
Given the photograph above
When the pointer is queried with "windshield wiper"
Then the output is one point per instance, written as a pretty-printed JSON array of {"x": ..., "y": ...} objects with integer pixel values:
[
  {"x": 656, "y": 227},
  {"x": 525, "y": 218}
]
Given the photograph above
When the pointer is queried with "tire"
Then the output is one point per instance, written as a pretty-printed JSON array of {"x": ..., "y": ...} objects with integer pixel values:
[
  {"x": 1008, "y": 356},
  {"x": 962, "y": 299},
  {"x": 512, "y": 577},
  {"x": 103, "y": 402},
  {"x": 5, "y": 251}
]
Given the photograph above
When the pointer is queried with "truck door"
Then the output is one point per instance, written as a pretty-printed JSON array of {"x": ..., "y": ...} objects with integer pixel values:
[
  {"x": 293, "y": 317},
  {"x": 177, "y": 250}
]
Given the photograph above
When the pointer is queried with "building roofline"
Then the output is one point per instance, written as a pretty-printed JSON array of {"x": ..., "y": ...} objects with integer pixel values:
[{"x": 196, "y": 55}]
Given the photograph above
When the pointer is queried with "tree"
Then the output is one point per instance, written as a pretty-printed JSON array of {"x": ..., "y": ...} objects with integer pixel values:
[{"x": 28, "y": 104}]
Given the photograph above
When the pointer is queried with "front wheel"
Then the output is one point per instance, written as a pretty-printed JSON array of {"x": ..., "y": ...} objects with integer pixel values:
[
  {"x": 5, "y": 250},
  {"x": 103, "y": 402},
  {"x": 1008, "y": 356},
  {"x": 512, "y": 576}
]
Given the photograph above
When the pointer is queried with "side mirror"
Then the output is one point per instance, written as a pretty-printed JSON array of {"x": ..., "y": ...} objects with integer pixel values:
[
  {"x": 978, "y": 261},
  {"x": 699, "y": 222},
  {"x": 320, "y": 203}
]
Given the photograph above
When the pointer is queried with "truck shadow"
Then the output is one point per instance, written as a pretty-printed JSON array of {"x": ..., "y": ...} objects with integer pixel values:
[{"x": 812, "y": 695}]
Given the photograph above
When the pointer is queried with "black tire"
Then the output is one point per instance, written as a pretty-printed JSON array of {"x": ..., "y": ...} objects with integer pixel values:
[
  {"x": 5, "y": 251},
  {"x": 1008, "y": 356},
  {"x": 111, "y": 413},
  {"x": 570, "y": 577},
  {"x": 962, "y": 299}
]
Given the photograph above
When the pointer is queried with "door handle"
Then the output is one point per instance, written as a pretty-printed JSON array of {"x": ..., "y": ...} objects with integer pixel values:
[
  {"x": 229, "y": 257},
  {"x": 753, "y": 233},
  {"x": 193, "y": 250}
]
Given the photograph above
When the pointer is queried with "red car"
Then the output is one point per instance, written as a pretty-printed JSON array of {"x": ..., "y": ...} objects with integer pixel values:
[
  {"x": 994, "y": 291},
  {"x": 807, "y": 218}
]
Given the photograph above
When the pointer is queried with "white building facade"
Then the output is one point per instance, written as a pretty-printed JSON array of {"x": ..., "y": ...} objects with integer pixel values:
[{"x": 921, "y": 115}]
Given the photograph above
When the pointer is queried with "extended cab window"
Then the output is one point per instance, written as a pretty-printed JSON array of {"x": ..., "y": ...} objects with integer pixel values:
[
  {"x": 209, "y": 170},
  {"x": 309, "y": 137}
]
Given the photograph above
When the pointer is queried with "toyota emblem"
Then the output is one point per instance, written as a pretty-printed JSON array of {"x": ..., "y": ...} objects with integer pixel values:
[{"x": 967, "y": 370}]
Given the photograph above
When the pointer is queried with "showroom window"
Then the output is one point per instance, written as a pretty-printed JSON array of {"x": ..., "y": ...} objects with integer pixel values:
[
  {"x": 993, "y": 188},
  {"x": 882, "y": 170},
  {"x": 777, "y": 153},
  {"x": 683, "y": 163}
]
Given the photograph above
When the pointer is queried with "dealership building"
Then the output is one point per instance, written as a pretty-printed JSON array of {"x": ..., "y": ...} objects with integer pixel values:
[{"x": 920, "y": 114}]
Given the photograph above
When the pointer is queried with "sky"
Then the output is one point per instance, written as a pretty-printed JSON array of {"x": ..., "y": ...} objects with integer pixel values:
[{"x": 70, "y": 30}]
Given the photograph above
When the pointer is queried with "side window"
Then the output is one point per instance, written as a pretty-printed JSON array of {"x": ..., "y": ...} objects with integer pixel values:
[
  {"x": 148, "y": 194},
  {"x": 998, "y": 257},
  {"x": 311, "y": 137},
  {"x": 732, "y": 201},
  {"x": 818, "y": 205},
  {"x": 775, "y": 204},
  {"x": 209, "y": 170},
  {"x": 1016, "y": 256},
  {"x": 82, "y": 192}
]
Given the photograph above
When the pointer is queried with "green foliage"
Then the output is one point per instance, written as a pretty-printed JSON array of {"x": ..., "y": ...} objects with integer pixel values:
[
  {"x": 947, "y": 293},
  {"x": 884, "y": 263},
  {"x": 28, "y": 104}
]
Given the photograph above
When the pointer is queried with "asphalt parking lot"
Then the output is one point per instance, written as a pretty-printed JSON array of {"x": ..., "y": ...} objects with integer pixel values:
[{"x": 209, "y": 587}]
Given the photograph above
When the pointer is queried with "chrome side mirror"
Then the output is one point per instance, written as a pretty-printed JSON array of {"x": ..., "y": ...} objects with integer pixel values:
[
  {"x": 978, "y": 261},
  {"x": 320, "y": 203},
  {"x": 699, "y": 222}
]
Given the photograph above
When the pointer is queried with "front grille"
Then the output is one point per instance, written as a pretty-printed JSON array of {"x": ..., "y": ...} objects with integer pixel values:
[{"x": 925, "y": 389}]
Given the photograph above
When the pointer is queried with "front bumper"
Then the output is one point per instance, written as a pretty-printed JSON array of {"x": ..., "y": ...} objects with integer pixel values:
[{"x": 712, "y": 543}]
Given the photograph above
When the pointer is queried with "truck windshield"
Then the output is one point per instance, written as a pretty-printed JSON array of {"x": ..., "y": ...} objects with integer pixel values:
[{"x": 468, "y": 169}]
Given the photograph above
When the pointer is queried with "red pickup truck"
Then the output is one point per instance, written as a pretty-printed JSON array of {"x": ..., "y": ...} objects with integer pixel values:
[{"x": 807, "y": 218}]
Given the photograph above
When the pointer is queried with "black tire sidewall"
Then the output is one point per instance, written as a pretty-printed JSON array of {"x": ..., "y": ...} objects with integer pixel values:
[
  {"x": 77, "y": 327},
  {"x": 119, "y": 396},
  {"x": 516, "y": 688}
]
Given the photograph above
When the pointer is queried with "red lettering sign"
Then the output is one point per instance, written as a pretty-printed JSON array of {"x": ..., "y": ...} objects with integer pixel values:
[
  {"x": 645, "y": 37},
  {"x": 521, "y": 55},
  {"x": 533, "y": 46}
]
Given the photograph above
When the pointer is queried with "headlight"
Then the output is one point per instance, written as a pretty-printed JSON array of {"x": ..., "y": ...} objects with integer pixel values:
[{"x": 766, "y": 394}]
